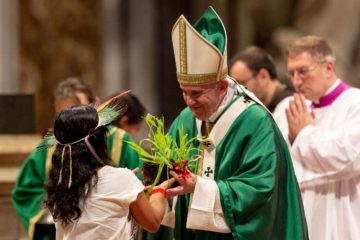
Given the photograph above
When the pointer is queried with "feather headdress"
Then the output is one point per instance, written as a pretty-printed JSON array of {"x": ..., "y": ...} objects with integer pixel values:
[{"x": 108, "y": 111}]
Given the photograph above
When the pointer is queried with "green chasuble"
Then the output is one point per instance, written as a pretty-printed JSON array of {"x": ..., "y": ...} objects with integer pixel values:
[
  {"x": 259, "y": 193},
  {"x": 28, "y": 194}
]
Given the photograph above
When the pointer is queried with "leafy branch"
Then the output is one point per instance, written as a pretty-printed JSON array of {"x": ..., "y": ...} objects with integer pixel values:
[{"x": 164, "y": 151}]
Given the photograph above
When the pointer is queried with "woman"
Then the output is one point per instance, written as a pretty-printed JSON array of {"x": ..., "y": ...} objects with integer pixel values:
[{"x": 88, "y": 197}]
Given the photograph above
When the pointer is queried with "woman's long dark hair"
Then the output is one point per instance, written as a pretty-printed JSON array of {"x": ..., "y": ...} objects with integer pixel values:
[{"x": 71, "y": 125}]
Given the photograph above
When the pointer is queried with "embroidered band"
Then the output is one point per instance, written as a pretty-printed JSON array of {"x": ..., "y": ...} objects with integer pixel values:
[{"x": 199, "y": 79}]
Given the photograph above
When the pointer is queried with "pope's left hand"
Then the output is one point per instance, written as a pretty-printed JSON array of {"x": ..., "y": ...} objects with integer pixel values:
[
  {"x": 186, "y": 184},
  {"x": 298, "y": 116}
]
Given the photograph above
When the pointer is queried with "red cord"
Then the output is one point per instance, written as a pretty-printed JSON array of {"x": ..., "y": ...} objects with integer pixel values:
[{"x": 158, "y": 190}]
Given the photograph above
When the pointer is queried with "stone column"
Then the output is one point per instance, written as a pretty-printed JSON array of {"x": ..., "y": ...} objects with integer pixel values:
[
  {"x": 129, "y": 50},
  {"x": 9, "y": 76},
  {"x": 142, "y": 52},
  {"x": 112, "y": 62}
]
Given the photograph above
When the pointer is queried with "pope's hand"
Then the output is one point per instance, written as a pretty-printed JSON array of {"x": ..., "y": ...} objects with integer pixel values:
[{"x": 186, "y": 184}]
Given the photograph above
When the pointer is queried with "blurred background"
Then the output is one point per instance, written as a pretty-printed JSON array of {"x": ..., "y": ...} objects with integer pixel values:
[{"x": 116, "y": 45}]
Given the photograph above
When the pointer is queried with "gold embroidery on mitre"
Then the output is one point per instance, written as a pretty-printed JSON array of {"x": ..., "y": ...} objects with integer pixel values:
[
  {"x": 199, "y": 79},
  {"x": 182, "y": 43}
]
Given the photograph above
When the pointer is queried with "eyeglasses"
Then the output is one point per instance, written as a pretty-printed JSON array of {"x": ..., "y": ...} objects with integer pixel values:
[{"x": 302, "y": 72}]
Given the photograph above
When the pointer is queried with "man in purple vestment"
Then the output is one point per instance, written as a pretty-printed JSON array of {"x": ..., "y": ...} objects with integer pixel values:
[{"x": 324, "y": 140}]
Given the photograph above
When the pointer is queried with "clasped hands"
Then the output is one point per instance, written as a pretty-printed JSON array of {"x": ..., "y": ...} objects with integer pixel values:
[{"x": 298, "y": 116}]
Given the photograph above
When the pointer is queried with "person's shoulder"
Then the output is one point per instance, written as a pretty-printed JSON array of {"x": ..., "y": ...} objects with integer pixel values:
[
  {"x": 39, "y": 153},
  {"x": 282, "y": 105},
  {"x": 113, "y": 129},
  {"x": 254, "y": 119},
  {"x": 352, "y": 92},
  {"x": 348, "y": 99},
  {"x": 116, "y": 171},
  {"x": 186, "y": 112},
  {"x": 109, "y": 176},
  {"x": 185, "y": 115},
  {"x": 280, "y": 96},
  {"x": 118, "y": 132},
  {"x": 254, "y": 113}
]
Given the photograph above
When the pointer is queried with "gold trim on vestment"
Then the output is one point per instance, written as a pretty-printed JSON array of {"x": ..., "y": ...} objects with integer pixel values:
[
  {"x": 48, "y": 164},
  {"x": 200, "y": 162},
  {"x": 116, "y": 147},
  {"x": 182, "y": 46},
  {"x": 32, "y": 223},
  {"x": 205, "y": 129}
]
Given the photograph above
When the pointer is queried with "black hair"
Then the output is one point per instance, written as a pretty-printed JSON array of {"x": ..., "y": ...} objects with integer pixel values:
[
  {"x": 135, "y": 110},
  {"x": 256, "y": 59},
  {"x": 72, "y": 124}
]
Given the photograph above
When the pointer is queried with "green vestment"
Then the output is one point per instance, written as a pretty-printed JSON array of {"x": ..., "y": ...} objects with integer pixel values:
[
  {"x": 28, "y": 194},
  {"x": 259, "y": 193}
]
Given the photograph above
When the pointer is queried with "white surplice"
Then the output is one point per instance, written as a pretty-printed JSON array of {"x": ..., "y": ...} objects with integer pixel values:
[{"x": 326, "y": 158}]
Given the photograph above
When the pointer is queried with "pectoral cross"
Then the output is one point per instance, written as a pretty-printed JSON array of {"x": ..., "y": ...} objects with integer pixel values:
[
  {"x": 206, "y": 144},
  {"x": 208, "y": 171}
]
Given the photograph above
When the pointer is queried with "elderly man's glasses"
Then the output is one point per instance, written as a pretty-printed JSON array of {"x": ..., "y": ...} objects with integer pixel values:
[{"x": 301, "y": 72}]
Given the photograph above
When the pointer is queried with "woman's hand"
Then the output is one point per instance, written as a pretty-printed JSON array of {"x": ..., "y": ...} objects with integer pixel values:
[{"x": 166, "y": 184}]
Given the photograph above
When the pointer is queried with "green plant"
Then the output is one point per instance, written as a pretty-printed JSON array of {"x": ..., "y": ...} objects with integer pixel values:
[{"x": 164, "y": 150}]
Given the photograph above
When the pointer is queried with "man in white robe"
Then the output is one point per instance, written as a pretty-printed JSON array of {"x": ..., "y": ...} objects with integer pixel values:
[{"x": 324, "y": 140}]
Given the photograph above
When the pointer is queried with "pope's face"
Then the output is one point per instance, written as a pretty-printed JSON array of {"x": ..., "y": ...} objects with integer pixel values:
[{"x": 204, "y": 100}]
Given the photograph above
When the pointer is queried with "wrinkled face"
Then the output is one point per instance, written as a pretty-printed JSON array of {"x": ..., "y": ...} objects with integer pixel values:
[
  {"x": 243, "y": 75},
  {"x": 308, "y": 76},
  {"x": 204, "y": 100}
]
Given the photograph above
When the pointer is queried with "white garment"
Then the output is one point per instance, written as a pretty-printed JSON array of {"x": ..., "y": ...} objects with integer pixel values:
[
  {"x": 326, "y": 158},
  {"x": 106, "y": 214}
]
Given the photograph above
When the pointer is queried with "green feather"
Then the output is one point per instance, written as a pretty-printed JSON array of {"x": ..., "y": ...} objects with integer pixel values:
[
  {"x": 48, "y": 141},
  {"x": 109, "y": 114}
]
